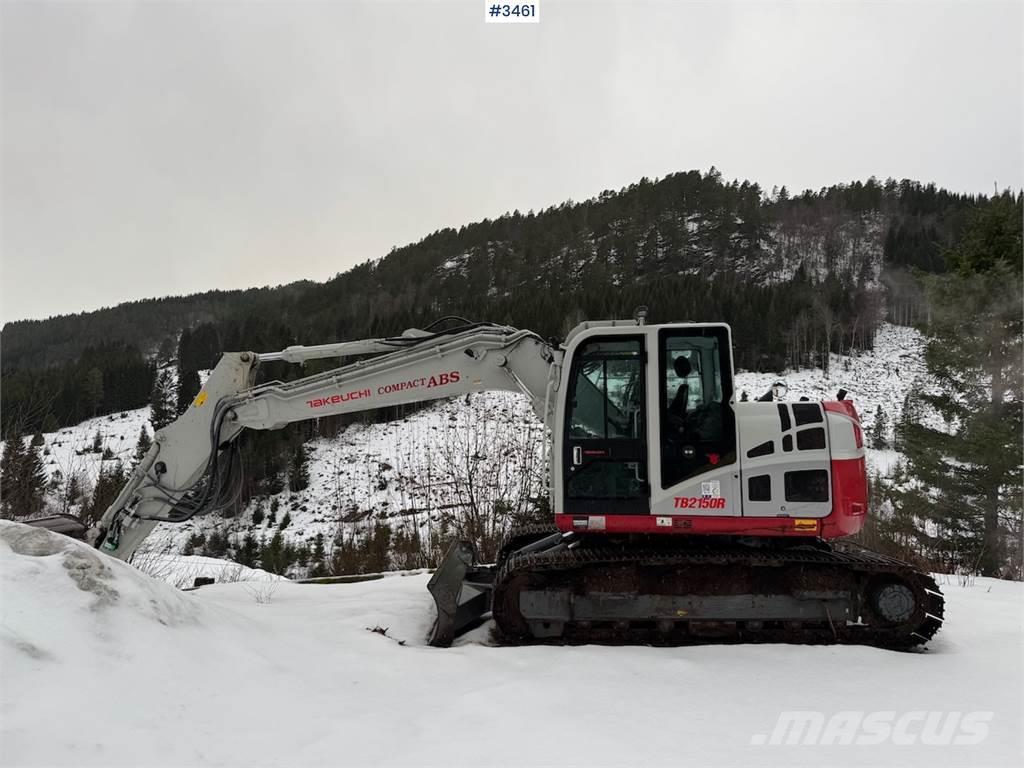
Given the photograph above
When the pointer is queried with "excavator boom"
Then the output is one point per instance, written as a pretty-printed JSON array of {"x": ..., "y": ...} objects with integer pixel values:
[{"x": 192, "y": 466}]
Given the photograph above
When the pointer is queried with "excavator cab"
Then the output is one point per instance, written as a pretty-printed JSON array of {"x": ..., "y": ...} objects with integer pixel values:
[{"x": 647, "y": 416}]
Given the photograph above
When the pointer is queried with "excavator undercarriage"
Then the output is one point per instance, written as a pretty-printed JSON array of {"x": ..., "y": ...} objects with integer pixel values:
[{"x": 558, "y": 588}]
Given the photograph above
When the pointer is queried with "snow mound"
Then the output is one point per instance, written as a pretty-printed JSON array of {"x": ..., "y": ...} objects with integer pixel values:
[{"x": 59, "y": 578}]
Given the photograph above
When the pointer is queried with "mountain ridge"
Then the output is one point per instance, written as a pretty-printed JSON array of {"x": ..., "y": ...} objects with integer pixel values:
[{"x": 797, "y": 277}]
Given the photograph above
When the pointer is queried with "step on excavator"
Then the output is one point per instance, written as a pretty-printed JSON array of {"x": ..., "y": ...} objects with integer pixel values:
[{"x": 680, "y": 514}]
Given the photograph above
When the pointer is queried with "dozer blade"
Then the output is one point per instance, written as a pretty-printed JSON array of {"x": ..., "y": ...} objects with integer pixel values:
[{"x": 461, "y": 592}]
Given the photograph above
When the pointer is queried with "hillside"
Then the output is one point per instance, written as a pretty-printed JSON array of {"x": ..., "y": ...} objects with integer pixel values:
[
  {"x": 806, "y": 282},
  {"x": 796, "y": 276},
  {"x": 290, "y": 674}
]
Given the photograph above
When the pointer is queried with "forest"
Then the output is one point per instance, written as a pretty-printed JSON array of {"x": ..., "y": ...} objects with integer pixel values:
[{"x": 796, "y": 276}]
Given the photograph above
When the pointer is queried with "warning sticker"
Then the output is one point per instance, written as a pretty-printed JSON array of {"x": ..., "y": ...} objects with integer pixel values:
[{"x": 711, "y": 489}]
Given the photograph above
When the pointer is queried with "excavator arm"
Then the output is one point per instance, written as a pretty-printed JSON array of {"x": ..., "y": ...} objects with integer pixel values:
[{"x": 193, "y": 466}]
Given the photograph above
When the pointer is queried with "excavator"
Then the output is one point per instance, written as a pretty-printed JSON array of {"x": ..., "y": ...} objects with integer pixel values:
[{"x": 681, "y": 515}]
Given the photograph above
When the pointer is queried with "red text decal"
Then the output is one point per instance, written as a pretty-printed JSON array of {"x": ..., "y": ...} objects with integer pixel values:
[
  {"x": 355, "y": 394},
  {"x": 698, "y": 502},
  {"x": 424, "y": 382}
]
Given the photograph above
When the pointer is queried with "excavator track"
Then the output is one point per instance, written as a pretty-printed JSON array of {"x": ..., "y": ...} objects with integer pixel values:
[{"x": 673, "y": 595}]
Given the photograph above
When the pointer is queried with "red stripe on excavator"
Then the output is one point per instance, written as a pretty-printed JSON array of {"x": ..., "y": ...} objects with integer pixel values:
[
  {"x": 702, "y": 525},
  {"x": 849, "y": 512},
  {"x": 849, "y": 498},
  {"x": 846, "y": 408}
]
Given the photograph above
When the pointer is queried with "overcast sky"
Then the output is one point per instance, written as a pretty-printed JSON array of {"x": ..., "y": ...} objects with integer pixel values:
[{"x": 152, "y": 148}]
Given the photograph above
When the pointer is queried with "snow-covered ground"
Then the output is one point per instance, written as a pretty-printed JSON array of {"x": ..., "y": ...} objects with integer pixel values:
[
  {"x": 182, "y": 570},
  {"x": 881, "y": 378},
  {"x": 102, "y": 665}
]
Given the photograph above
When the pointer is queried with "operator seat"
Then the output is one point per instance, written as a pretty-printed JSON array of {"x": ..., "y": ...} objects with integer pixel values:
[{"x": 678, "y": 405}]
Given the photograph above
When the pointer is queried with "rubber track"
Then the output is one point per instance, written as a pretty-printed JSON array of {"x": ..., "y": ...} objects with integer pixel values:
[
  {"x": 521, "y": 535},
  {"x": 861, "y": 564}
]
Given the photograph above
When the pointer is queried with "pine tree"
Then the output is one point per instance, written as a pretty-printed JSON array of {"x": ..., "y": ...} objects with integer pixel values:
[
  {"x": 274, "y": 556},
  {"x": 217, "y": 544},
  {"x": 33, "y": 482},
  {"x": 11, "y": 464},
  {"x": 298, "y": 469},
  {"x": 910, "y": 416},
  {"x": 161, "y": 401},
  {"x": 249, "y": 553},
  {"x": 72, "y": 492},
  {"x": 93, "y": 390},
  {"x": 144, "y": 443},
  {"x": 108, "y": 485},
  {"x": 972, "y": 475},
  {"x": 880, "y": 429},
  {"x": 188, "y": 388}
]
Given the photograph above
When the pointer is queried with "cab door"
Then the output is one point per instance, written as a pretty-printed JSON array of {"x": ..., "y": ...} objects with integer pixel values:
[
  {"x": 605, "y": 450},
  {"x": 698, "y": 472}
]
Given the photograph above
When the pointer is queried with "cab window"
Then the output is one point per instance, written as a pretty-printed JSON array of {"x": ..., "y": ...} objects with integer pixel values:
[
  {"x": 698, "y": 430},
  {"x": 607, "y": 391}
]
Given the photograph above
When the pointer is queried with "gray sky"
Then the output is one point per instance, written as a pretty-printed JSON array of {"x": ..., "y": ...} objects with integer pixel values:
[{"x": 151, "y": 149}]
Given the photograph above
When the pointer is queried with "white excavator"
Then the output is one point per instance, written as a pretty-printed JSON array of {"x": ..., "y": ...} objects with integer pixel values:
[{"x": 680, "y": 514}]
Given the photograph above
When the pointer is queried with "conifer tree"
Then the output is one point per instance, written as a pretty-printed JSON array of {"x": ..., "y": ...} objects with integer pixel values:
[
  {"x": 108, "y": 485},
  {"x": 188, "y": 388},
  {"x": 93, "y": 390},
  {"x": 879, "y": 431},
  {"x": 11, "y": 464},
  {"x": 249, "y": 553},
  {"x": 161, "y": 401},
  {"x": 298, "y": 469},
  {"x": 971, "y": 474},
  {"x": 33, "y": 482},
  {"x": 273, "y": 557},
  {"x": 143, "y": 444}
]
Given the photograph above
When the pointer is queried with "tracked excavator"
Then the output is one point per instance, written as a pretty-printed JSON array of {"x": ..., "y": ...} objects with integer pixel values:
[{"x": 680, "y": 514}]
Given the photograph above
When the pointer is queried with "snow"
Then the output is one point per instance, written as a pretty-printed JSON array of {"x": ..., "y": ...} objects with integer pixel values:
[
  {"x": 69, "y": 451},
  {"x": 882, "y": 377},
  {"x": 104, "y": 666},
  {"x": 182, "y": 570}
]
